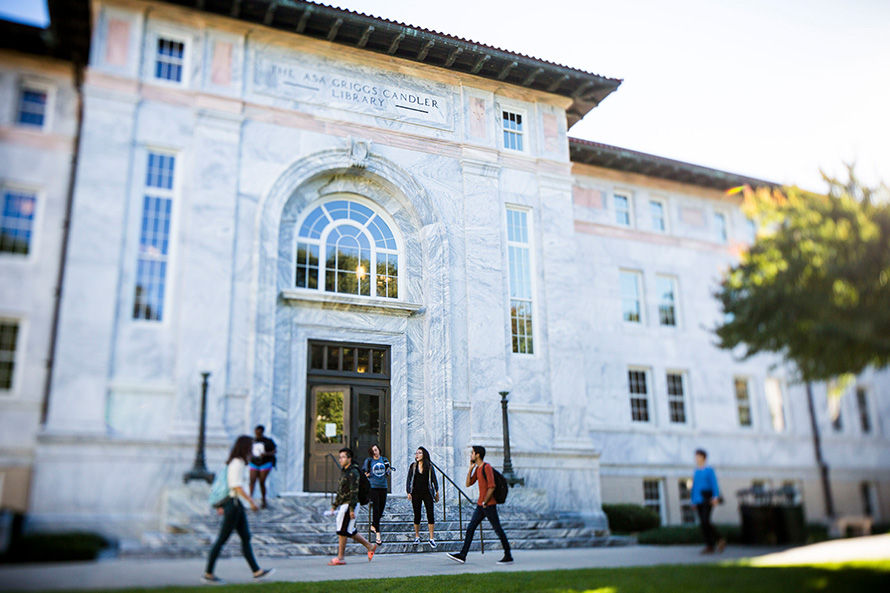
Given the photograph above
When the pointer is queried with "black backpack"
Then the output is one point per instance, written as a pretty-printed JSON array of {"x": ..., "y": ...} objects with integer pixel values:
[
  {"x": 500, "y": 486},
  {"x": 364, "y": 489}
]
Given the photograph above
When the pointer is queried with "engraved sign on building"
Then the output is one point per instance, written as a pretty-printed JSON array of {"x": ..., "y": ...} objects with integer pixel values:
[{"x": 379, "y": 94}]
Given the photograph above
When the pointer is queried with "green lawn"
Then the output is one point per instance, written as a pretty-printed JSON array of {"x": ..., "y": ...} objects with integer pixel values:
[{"x": 862, "y": 577}]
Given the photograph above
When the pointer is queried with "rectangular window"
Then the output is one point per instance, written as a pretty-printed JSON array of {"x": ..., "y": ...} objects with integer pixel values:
[
  {"x": 656, "y": 211},
  {"x": 631, "y": 298},
  {"x": 32, "y": 107},
  {"x": 9, "y": 333},
  {"x": 743, "y": 401},
  {"x": 519, "y": 256},
  {"x": 776, "y": 402},
  {"x": 720, "y": 227},
  {"x": 866, "y": 492},
  {"x": 666, "y": 286},
  {"x": 864, "y": 414},
  {"x": 513, "y": 130},
  {"x": 676, "y": 398},
  {"x": 17, "y": 221},
  {"x": 687, "y": 512},
  {"x": 835, "y": 413},
  {"x": 622, "y": 210},
  {"x": 154, "y": 238},
  {"x": 639, "y": 395},
  {"x": 169, "y": 60},
  {"x": 652, "y": 498}
]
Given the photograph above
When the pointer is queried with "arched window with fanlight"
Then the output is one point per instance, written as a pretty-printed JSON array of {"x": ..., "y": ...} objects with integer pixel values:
[{"x": 346, "y": 247}]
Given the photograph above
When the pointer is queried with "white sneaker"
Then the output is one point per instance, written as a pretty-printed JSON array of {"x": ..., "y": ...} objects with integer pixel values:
[
  {"x": 416, "y": 540},
  {"x": 432, "y": 543}
]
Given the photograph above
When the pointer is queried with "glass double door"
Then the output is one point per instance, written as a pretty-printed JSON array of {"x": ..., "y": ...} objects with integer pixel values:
[{"x": 342, "y": 415}]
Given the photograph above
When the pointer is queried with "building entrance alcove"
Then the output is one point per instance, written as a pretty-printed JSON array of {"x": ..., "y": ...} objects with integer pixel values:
[{"x": 348, "y": 405}]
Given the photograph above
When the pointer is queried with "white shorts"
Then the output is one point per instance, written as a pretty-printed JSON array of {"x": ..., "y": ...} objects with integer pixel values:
[{"x": 345, "y": 523}]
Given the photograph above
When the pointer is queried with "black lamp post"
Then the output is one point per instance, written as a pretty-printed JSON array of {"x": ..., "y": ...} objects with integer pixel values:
[
  {"x": 199, "y": 471},
  {"x": 509, "y": 475}
]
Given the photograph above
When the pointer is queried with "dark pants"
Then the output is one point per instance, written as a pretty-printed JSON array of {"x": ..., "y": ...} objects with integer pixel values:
[
  {"x": 234, "y": 518},
  {"x": 426, "y": 498},
  {"x": 490, "y": 513},
  {"x": 704, "y": 519},
  {"x": 378, "y": 503}
]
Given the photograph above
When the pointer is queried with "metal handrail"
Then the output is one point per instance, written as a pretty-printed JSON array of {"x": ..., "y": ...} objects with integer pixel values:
[{"x": 459, "y": 505}]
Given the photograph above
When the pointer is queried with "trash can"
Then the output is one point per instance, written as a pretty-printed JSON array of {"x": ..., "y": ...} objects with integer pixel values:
[{"x": 771, "y": 517}]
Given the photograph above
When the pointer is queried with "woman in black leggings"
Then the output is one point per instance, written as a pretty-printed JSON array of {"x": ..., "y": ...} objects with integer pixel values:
[
  {"x": 422, "y": 487},
  {"x": 377, "y": 468}
]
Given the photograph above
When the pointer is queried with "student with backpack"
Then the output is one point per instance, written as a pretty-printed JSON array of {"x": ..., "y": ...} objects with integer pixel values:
[
  {"x": 485, "y": 475},
  {"x": 234, "y": 515},
  {"x": 351, "y": 491},
  {"x": 423, "y": 488}
]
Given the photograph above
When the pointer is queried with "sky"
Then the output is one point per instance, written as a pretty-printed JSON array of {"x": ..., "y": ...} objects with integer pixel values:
[{"x": 773, "y": 89}]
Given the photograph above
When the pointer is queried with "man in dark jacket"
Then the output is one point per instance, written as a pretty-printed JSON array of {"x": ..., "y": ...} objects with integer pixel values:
[{"x": 344, "y": 506}]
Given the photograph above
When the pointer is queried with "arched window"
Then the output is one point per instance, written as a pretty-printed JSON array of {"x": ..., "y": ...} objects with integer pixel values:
[{"x": 345, "y": 247}]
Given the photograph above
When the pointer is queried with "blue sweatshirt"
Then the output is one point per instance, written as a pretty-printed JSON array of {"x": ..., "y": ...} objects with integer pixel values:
[
  {"x": 704, "y": 479},
  {"x": 379, "y": 469}
]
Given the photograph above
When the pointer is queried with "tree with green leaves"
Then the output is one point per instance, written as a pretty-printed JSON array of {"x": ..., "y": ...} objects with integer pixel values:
[{"x": 815, "y": 285}]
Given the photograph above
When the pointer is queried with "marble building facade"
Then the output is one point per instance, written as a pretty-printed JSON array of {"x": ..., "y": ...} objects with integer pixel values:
[{"x": 272, "y": 208}]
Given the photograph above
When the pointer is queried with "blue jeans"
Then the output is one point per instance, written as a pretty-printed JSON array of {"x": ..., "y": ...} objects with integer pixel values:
[
  {"x": 490, "y": 513},
  {"x": 234, "y": 518}
]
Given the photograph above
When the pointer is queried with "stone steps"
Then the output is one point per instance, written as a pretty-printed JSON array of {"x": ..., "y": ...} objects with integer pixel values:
[{"x": 297, "y": 526}]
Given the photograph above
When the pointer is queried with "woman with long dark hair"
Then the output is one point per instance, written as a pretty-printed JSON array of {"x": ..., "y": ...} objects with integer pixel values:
[
  {"x": 234, "y": 515},
  {"x": 377, "y": 468},
  {"x": 423, "y": 488}
]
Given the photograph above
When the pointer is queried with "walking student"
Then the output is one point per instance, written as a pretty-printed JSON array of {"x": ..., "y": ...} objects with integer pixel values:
[
  {"x": 377, "y": 468},
  {"x": 486, "y": 507},
  {"x": 423, "y": 488},
  {"x": 705, "y": 496},
  {"x": 234, "y": 515},
  {"x": 262, "y": 460},
  {"x": 344, "y": 506}
]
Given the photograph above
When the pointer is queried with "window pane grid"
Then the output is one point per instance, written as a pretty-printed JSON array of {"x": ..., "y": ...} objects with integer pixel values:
[
  {"x": 154, "y": 239},
  {"x": 622, "y": 210},
  {"x": 16, "y": 222},
  {"x": 743, "y": 402},
  {"x": 360, "y": 253},
  {"x": 687, "y": 513},
  {"x": 520, "y": 270},
  {"x": 512, "y": 130},
  {"x": 32, "y": 107},
  {"x": 657, "y": 211},
  {"x": 639, "y": 396},
  {"x": 720, "y": 225},
  {"x": 168, "y": 64},
  {"x": 9, "y": 331},
  {"x": 676, "y": 399},
  {"x": 667, "y": 312},
  {"x": 652, "y": 496},
  {"x": 630, "y": 297}
]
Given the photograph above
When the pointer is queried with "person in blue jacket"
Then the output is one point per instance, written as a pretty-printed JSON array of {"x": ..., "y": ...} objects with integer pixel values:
[
  {"x": 377, "y": 468},
  {"x": 705, "y": 496}
]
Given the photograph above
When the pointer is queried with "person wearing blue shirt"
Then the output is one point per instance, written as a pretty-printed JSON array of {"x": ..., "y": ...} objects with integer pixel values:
[
  {"x": 705, "y": 496},
  {"x": 377, "y": 468}
]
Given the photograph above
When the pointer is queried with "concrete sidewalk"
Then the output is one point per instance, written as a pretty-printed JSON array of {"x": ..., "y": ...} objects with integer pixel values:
[{"x": 115, "y": 573}]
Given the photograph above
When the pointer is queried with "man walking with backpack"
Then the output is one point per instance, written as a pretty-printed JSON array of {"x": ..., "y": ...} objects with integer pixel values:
[
  {"x": 344, "y": 506},
  {"x": 486, "y": 507}
]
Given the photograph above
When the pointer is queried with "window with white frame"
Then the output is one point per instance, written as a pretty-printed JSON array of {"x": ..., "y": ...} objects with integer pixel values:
[
  {"x": 864, "y": 413},
  {"x": 154, "y": 238},
  {"x": 676, "y": 398},
  {"x": 9, "y": 335},
  {"x": 631, "y": 296},
  {"x": 652, "y": 498},
  {"x": 776, "y": 402},
  {"x": 519, "y": 258},
  {"x": 169, "y": 59},
  {"x": 346, "y": 247},
  {"x": 743, "y": 401},
  {"x": 638, "y": 387},
  {"x": 514, "y": 130},
  {"x": 622, "y": 209},
  {"x": 33, "y": 103},
  {"x": 687, "y": 511},
  {"x": 17, "y": 221},
  {"x": 666, "y": 287},
  {"x": 657, "y": 214},
  {"x": 835, "y": 412},
  {"x": 720, "y": 227}
]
